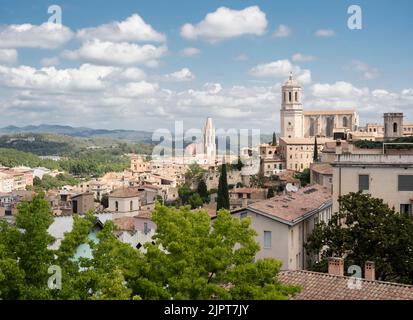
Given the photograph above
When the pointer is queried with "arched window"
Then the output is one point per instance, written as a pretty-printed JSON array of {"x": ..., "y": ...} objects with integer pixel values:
[
  {"x": 284, "y": 97},
  {"x": 116, "y": 206},
  {"x": 289, "y": 97},
  {"x": 345, "y": 122},
  {"x": 394, "y": 127},
  {"x": 131, "y": 205},
  {"x": 296, "y": 96}
]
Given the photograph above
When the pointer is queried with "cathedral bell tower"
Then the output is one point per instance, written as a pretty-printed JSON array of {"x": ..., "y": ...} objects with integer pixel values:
[{"x": 292, "y": 117}]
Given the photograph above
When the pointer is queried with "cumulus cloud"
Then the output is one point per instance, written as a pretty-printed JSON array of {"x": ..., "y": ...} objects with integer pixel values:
[
  {"x": 190, "y": 52},
  {"x": 131, "y": 29},
  {"x": 226, "y": 23},
  {"x": 8, "y": 56},
  {"x": 281, "y": 69},
  {"x": 123, "y": 53},
  {"x": 299, "y": 57},
  {"x": 138, "y": 89},
  {"x": 45, "y": 36},
  {"x": 339, "y": 89},
  {"x": 367, "y": 72},
  {"x": 326, "y": 33},
  {"x": 282, "y": 31},
  {"x": 48, "y": 62},
  {"x": 182, "y": 75},
  {"x": 86, "y": 77}
]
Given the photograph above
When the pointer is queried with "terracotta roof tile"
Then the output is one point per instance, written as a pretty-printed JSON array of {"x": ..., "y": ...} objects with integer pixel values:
[{"x": 324, "y": 286}]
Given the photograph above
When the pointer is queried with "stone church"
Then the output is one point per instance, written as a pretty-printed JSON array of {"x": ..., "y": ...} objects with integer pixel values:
[{"x": 297, "y": 123}]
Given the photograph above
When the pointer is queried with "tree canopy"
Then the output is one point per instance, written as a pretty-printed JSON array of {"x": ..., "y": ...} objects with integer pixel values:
[{"x": 366, "y": 229}]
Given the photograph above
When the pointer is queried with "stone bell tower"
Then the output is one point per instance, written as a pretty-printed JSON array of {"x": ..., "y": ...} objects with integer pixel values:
[{"x": 292, "y": 116}]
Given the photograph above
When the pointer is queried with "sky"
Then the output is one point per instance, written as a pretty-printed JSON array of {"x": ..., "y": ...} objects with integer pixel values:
[{"x": 143, "y": 65}]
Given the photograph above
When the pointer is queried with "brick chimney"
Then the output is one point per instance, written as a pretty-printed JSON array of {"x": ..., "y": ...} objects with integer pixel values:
[
  {"x": 369, "y": 271},
  {"x": 336, "y": 266}
]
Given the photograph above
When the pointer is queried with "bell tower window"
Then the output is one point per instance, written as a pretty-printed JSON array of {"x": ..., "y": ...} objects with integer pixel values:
[
  {"x": 296, "y": 96},
  {"x": 289, "y": 96}
]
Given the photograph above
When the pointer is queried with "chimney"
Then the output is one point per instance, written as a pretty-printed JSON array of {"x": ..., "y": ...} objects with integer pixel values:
[
  {"x": 369, "y": 271},
  {"x": 336, "y": 266}
]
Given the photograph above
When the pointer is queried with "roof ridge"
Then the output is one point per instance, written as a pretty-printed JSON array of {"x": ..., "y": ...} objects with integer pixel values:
[{"x": 347, "y": 277}]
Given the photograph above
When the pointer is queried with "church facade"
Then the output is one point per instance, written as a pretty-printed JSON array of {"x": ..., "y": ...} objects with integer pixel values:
[{"x": 297, "y": 123}]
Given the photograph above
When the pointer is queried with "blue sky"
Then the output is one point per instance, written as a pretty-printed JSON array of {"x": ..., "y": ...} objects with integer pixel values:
[{"x": 369, "y": 69}]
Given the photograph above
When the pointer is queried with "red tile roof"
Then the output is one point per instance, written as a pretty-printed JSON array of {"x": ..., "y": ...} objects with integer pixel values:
[{"x": 324, "y": 286}]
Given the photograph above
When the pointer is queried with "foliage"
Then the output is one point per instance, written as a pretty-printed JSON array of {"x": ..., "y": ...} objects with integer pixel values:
[
  {"x": 48, "y": 182},
  {"x": 367, "y": 144},
  {"x": 304, "y": 177},
  {"x": 203, "y": 191},
  {"x": 104, "y": 201},
  {"x": 223, "y": 195},
  {"x": 366, "y": 229},
  {"x": 195, "y": 201},
  {"x": 274, "y": 140},
  {"x": 270, "y": 193},
  {"x": 194, "y": 173},
  {"x": 190, "y": 259},
  {"x": 315, "y": 152}
]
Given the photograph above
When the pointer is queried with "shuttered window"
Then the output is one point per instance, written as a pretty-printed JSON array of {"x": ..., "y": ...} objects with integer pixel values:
[
  {"x": 406, "y": 183},
  {"x": 364, "y": 182},
  {"x": 267, "y": 239}
]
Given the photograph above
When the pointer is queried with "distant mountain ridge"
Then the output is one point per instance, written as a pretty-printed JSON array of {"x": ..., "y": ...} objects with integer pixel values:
[{"x": 81, "y": 132}]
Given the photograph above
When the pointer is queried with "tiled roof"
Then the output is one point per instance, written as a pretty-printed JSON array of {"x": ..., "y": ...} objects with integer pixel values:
[
  {"x": 324, "y": 286},
  {"x": 293, "y": 206},
  {"x": 305, "y": 141},
  {"x": 125, "y": 223},
  {"x": 322, "y": 168},
  {"x": 125, "y": 193},
  {"x": 246, "y": 190}
]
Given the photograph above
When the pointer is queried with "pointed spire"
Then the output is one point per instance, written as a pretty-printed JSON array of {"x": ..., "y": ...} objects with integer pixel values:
[{"x": 291, "y": 75}]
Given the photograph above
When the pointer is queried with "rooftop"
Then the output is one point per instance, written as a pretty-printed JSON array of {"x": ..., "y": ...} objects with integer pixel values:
[
  {"x": 324, "y": 286},
  {"x": 309, "y": 141},
  {"x": 291, "y": 207},
  {"x": 322, "y": 168},
  {"x": 328, "y": 112},
  {"x": 125, "y": 193},
  {"x": 246, "y": 190}
]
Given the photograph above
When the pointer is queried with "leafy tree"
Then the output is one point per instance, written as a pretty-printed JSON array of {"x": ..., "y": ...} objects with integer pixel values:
[
  {"x": 184, "y": 193},
  {"x": 194, "y": 173},
  {"x": 270, "y": 193},
  {"x": 366, "y": 229},
  {"x": 304, "y": 177},
  {"x": 223, "y": 195},
  {"x": 104, "y": 201},
  {"x": 195, "y": 201},
  {"x": 204, "y": 261},
  {"x": 315, "y": 154},
  {"x": 274, "y": 140},
  {"x": 203, "y": 190}
]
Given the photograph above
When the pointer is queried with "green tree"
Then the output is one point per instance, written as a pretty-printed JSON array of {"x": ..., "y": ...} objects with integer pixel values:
[
  {"x": 223, "y": 195},
  {"x": 201, "y": 260},
  {"x": 194, "y": 173},
  {"x": 195, "y": 201},
  {"x": 366, "y": 229},
  {"x": 304, "y": 177},
  {"x": 203, "y": 190},
  {"x": 104, "y": 201},
  {"x": 184, "y": 193},
  {"x": 274, "y": 140},
  {"x": 315, "y": 152},
  {"x": 270, "y": 193}
]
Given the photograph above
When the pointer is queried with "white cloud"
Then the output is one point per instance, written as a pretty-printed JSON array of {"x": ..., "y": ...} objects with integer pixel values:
[
  {"x": 123, "y": 54},
  {"x": 86, "y": 77},
  {"x": 138, "y": 89},
  {"x": 282, "y": 31},
  {"x": 8, "y": 56},
  {"x": 281, "y": 69},
  {"x": 241, "y": 57},
  {"x": 368, "y": 72},
  {"x": 339, "y": 89},
  {"x": 182, "y": 75},
  {"x": 48, "y": 62},
  {"x": 190, "y": 52},
  {"x": 45, "y": 36},
  {"x": 326, "y": 33},
  {"x": 131, "y": 29},
  {"x": 226, "y": 23},
  {"x": 299, "y": 57}
]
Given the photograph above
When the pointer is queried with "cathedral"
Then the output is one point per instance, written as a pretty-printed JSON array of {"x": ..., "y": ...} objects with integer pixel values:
[{"x": 297, "y": 123}]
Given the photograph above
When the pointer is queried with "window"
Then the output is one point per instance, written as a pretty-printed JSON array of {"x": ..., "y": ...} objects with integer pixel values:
[
  {"x": 364, "y": 182},
  {"x": 395, "y": 127},
  {"x": 406, "y": 183},
  {"x": 267, "y": 239},
  {"x": 296, "y": 96},
  {"x": 74, "y": 206},
  {"x": 289, "y": 97},
  {"x": 131, "y": 205},
  {"x": 116, "y": 206},
  {"x": 406, "y": 208}
]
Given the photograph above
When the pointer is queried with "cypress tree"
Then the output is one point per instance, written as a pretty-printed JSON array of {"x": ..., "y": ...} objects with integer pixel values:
[
  {"x": 274, "y": 140},
  {"x": 203, "y": 190},
  {"x": 315, "y": 155},
  {"x": 223, "y": 196}
]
